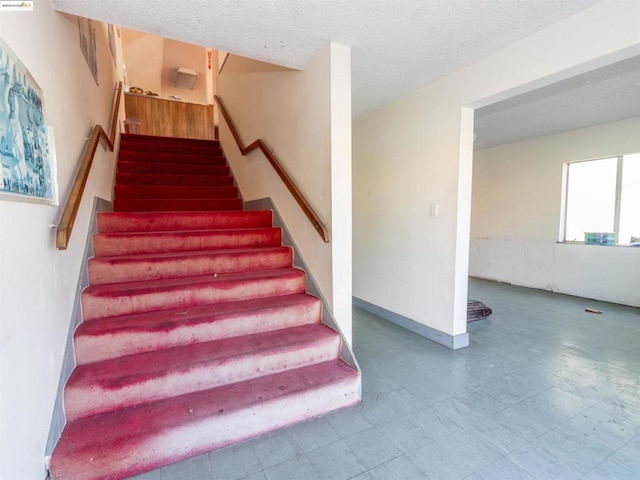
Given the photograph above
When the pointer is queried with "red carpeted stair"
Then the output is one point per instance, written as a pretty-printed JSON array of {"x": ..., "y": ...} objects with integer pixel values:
[{"x": 197, "y": 331}]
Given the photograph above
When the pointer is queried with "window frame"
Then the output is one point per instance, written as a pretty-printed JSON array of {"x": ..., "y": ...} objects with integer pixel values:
[{"x": 617, "y": 204}]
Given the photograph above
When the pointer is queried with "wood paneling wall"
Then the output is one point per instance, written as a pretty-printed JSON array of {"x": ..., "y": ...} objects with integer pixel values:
[{"x": 170, "y": 118}]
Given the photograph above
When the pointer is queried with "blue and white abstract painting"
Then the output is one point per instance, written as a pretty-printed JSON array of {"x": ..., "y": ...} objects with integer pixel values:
[{"x": 25, "y": 155}]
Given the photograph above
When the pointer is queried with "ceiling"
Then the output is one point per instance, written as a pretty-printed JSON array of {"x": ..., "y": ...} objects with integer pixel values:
[
  {"x": 397, "y": 46},
  {"x": 604, "y": 95}
]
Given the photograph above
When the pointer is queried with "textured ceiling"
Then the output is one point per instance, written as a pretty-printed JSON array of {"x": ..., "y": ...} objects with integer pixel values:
[
  {"x": 604, "y": 95},
  {"x": 397, "y": 45}
]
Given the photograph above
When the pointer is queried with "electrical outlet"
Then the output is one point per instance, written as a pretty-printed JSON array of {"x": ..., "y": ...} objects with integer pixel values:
[{"x": 435, "y": 207}]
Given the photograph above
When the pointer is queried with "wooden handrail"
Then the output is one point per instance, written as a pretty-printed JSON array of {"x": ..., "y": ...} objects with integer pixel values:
[
  {"x": 282, "y": 173},
  {"x": 65, "y": 226}
]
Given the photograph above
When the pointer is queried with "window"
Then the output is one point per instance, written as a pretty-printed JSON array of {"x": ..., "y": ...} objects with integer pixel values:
[{"x": 603, "y": 196}]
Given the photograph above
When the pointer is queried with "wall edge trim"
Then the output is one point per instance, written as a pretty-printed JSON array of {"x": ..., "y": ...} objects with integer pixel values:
[
  {"x": 454, "y": 342},
  {"x": 68, "y": 360},
  {"x": 312, "y": 287}
]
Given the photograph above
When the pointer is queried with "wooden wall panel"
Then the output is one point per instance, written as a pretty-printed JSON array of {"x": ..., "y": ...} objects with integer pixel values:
[{"x": 170, "y": 118}]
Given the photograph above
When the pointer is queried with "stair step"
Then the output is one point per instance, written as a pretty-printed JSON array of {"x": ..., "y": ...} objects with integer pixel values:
[
  {"x": 131, "y": 137},
  {"x": 166, "y": 191},
  {"x": 137, "y": 333},
  {"x": 111, "y": 244},
  {"x": 113, "y": 222},
  {"x": 172, "y": 168},
  {"x": 174, "y": 180},
  {"x": 137, "y": 297},
  {"x": 101, "y": 387},
  {"x": 159, "y": 157},
  {"x": 140, "y": 146},
  {"x": 138, "y": 439},
  {"x": 176, "y": 204},
  {"x": 157, "y": 266}
]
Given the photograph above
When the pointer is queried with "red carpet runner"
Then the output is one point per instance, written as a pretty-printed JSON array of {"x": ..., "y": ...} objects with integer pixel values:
[{"x": 197, "y": 331}]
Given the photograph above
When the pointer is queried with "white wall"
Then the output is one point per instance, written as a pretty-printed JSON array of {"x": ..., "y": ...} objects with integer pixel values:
[
  {"x": 341, "y": 187},
  {"x": 143, "y": 57},
  {"x": 304, "y": 117},
  {"x": 516, "y": 217},
  {"x": 179, "y": 54},
  {"x": 37, "y": 282},
  {"x": 152, "y": 62},
  {"x": 418, "y": 150}
]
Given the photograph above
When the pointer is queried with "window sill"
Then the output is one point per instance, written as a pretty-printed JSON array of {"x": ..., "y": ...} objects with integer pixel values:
[{"x": 624, "y": 245}]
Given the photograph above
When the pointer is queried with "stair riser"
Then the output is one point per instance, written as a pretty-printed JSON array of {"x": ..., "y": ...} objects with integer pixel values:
[
  {"x": 171, "y": 158},
  {"x": 130, "y": 270},
  {"x": 166, "y": 192},
  {"x": 84, "y": 402},
  {"x": 158, "y": 140},
  {"x": 174, "y": 180},
  {"x": 176, "y": 205},
  {"x": 173, "y": 332},
  {"x": 109, "y": 222},
  {"x": 110, "y": 244},
  {"x": 174, "y": 444},
  {"x": 185, "y": 296},
  {"x": 166, "y": 148},
  {"x": 172, "y": 168}
]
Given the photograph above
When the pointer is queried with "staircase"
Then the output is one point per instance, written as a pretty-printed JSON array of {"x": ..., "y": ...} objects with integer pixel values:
[{"x": 197, "y": 331}]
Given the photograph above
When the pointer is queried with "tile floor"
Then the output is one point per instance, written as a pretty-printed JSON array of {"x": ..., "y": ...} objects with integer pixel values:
[{"x": 544, "y": 391}]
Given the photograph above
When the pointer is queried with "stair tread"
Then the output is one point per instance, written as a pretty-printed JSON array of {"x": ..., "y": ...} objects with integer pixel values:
[
  {"x": 169, "y": 191},
  {"x": 118, "y": 373},
  {"x": 221, "y": 281},
  {"x": 113, "y": 337},
  {"x": 112, "y": 299},
  {"x": 139, "y": 267},
  {"x": 170, "y": 148},
  {"x": 182, "y": 158},
  {"x": 173, "y": 168},
  {"x": 176, "y": 204},
  {"x": 158, "y": 139},
  {"x": 174, "y": 178},
  {"x": 174, "y": 141},
  {"x": 118, "y": 259},
  {"x": 117, "y": 243},
  {"x": 125, "y": 178},
  {"x": 185, "y": 233},
  {"x": 164, "y": 320},
  {"x": 133, "y": 222},
  {"x": 90, "y": 447}
]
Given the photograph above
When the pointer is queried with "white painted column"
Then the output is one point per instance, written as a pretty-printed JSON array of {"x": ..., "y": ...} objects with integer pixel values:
[{"x": 341, "y": 217}]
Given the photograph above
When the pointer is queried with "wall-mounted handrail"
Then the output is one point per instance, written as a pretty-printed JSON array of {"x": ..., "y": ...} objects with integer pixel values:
[
  {"x": 282, "y": 173},
  {"x": 65, "y": 226}
]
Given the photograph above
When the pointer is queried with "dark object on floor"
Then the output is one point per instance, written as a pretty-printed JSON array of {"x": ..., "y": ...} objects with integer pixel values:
[
  {"x": 476, "y": 310},
  {"x": 592, "y": 310}
]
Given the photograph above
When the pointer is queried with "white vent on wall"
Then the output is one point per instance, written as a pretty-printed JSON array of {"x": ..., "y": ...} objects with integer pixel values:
[{"x": 186, "y": 78}]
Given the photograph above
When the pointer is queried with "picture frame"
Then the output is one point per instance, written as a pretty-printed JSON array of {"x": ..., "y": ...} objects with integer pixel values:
[
  {"x": 27, "y": 156},
  {"x": 88, "y": 45},
  {"x": 112, "y": 44}
]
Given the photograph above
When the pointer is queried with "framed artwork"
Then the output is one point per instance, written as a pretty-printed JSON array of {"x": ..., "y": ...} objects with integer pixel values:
[
  {"x": 112, "y": 45},
  {"x": 88, "y": 45},
  {"x": 26, "y": 153}
]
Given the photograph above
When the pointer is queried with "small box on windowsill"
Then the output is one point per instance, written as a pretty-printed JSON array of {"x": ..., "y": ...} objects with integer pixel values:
[{"x": 599, "y": 238}]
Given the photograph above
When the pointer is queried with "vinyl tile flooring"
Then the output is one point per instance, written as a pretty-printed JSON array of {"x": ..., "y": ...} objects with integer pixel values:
[{"x": 544, "y": 391}]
